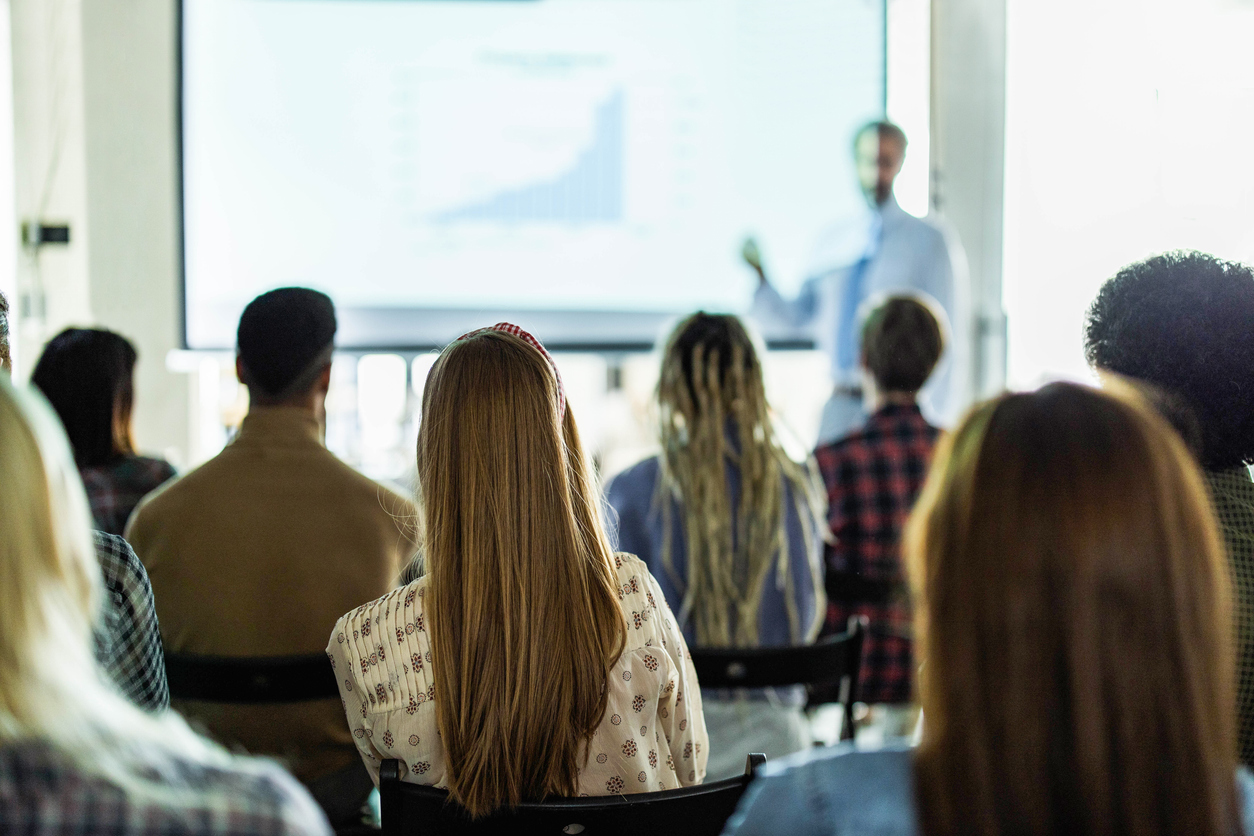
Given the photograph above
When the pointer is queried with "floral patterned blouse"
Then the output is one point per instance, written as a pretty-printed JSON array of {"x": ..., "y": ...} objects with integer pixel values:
[{"x": 652, "y": 736}]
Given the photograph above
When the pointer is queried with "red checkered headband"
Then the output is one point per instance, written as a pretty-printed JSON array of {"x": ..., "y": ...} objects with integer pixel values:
[{"x": 510, "y": 328}]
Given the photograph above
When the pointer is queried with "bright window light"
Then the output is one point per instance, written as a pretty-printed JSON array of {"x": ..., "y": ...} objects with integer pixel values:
[{"x": 1125, "y": 130}]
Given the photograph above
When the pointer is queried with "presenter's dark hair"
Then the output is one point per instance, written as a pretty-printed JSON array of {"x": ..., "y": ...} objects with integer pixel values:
[
  {"x": 5, "y": 360},
  {"x": 1182, "y": 321},
  {"x": 281, "y": 335},
  {"x": 902, "y": 341},
  {"x": 885, "y": 129},
  {"x": 87, "y": 374}
]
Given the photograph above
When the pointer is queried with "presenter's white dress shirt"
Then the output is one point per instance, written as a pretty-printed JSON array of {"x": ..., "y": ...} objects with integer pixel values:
[{"x": 904, "y": 254}]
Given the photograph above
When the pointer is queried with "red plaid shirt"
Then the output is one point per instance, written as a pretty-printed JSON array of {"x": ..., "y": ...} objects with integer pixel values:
[{"x": 873, "y": 477}]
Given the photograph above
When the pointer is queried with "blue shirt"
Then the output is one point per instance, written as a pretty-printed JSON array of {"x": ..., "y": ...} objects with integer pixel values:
[
  {"x": 638, "y": 529},
  {"x": 840, "y": 790},
  {"x": 905, "y": 254}
]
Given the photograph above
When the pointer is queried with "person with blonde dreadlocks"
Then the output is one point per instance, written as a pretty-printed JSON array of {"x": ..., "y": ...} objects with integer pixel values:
[{"x": 731, "y": 526}]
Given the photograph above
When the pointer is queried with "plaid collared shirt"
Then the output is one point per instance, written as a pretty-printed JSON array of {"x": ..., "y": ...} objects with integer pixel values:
[
  {"x": 114, "y": 490},
  {"x": 1232, "y": 496},
  {"x": 43, "y": 793},
  {"x": 128, "y": 640},
  {"x": 873, "y": 477}
]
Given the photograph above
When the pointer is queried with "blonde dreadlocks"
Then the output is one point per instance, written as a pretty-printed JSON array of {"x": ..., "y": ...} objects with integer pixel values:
[{"x": 714, "y": 416}]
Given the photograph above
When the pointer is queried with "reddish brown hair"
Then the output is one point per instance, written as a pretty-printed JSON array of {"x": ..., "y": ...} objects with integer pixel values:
[{"x": 1075, "y": 621}]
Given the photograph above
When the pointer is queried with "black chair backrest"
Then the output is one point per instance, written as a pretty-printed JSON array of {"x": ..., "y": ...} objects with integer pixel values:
[
  {"x": 414, "y": 810},
  {"x": 832, "y": 661},
  {"x": 251, "y": 680}
]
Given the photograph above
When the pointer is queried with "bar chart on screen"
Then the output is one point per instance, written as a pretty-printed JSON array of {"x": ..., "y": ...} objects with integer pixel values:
[{"x": 589, "y": 191}]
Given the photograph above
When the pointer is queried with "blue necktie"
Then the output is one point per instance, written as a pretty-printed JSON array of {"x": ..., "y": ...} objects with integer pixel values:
[{"x": 848, "y": 338}]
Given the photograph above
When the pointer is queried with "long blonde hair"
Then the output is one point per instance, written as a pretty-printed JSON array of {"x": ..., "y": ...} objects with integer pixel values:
[
  {"x": 711, "y": 387},
  {"x": 52, "y": 690},
  {"x": 1075, "y": 623},
  {"x": 525, "y": 622}
]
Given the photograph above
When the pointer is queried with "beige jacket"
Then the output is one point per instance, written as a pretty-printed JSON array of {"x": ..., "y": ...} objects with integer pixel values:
[{"x": 257, "y": 553}]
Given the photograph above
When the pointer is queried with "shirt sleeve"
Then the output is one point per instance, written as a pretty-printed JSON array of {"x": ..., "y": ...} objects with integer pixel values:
[
  {"x": 629, "y": 500},
  {"x": 132, "y": 655},
  {"x": 805, "y": 547},
  {"x": 772, "y": 309},
  {"x": 679, "y": 708},
  {"x": 340, "y": 651}
]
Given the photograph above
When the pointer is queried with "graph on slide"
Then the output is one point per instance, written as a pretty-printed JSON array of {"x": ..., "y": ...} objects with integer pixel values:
[{"x": 589, "y": 191}]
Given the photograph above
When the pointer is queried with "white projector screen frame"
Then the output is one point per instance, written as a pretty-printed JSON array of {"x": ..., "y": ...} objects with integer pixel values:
[{"x": 614, "y": 223}]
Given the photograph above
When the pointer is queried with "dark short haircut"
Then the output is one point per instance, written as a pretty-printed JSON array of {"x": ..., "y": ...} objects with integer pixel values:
[
  {"x": 902, "y": 341},
  {"x": 5, "y": 359},
  {"x": 87, "y": 374},
  {"x": 885, "y": 129},
  {"x": 282, "y": 335},
  {"x": 1183, "y": 322}
]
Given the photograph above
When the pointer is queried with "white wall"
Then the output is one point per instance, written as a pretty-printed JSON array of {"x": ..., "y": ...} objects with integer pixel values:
[
  {"x": 95, "y": 108},
  {"x": 50, "y": 169},
  {"x": 968, "y": 142}
]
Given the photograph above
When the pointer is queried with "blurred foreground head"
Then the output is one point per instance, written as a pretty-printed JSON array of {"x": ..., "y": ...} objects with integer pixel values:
[
  {"x": 1184, "y": 322},
  {"x": 1073, "y": 606}
]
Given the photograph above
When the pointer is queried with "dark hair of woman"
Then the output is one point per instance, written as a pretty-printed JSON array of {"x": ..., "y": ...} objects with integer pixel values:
[
  {"x": 87, "y": 374},
  {"x": 1075, "y": 623}
]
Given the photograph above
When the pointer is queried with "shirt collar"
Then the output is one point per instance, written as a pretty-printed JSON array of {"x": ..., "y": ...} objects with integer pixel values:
[
  {"x": 890, "y": 210},
  {"x": 279, "y": 425}
]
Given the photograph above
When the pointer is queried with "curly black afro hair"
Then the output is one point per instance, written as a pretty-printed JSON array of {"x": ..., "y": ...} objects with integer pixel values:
[{"x": 1184, "y": 321}]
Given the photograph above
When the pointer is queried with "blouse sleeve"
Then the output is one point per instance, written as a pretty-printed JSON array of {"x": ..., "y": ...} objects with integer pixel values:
[
  {"x": 340, "y": 651},
  {"x": 679, "y": 708}
]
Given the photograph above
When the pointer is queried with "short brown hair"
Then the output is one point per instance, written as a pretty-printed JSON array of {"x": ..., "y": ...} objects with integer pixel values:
[{"x": 902, "y": 342}]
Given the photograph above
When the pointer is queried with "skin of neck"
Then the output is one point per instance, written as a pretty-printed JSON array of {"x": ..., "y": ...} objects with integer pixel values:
[
  {"x": 874, "y": 399},
  {"x": 313, "y": 400}
]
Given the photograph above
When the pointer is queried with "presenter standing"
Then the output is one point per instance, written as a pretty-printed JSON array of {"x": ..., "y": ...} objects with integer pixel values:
[{"x": 884, "y": 251}]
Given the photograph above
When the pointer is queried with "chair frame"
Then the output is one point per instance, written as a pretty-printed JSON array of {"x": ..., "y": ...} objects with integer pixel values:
[
  {"x": 833, "y": 660},
  {"x": 251, "y": 680},
  {"x": 393, "y": 792}
]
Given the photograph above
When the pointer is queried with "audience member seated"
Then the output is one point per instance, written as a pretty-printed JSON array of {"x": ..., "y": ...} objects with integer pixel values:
[
  {"x": 528, "y": 660},
  {"x": 6, "y": 361},
  {"x": 1184, "y": 322},
  {"x": 873, "y": 477},
  {"x": 731, "y": 526},
  {"x": 87, "y": 374},
  {"x": 75, "y": 757},
  {"x": 258, "y": 551},
  {"x": 128, "y": 635},
  {"x": 1074, "y": 624},
  {"x": 127, "y": 639}
]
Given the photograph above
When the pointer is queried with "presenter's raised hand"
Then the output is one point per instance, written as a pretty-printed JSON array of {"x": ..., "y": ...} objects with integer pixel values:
[{"x": 753, "y": 257}]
